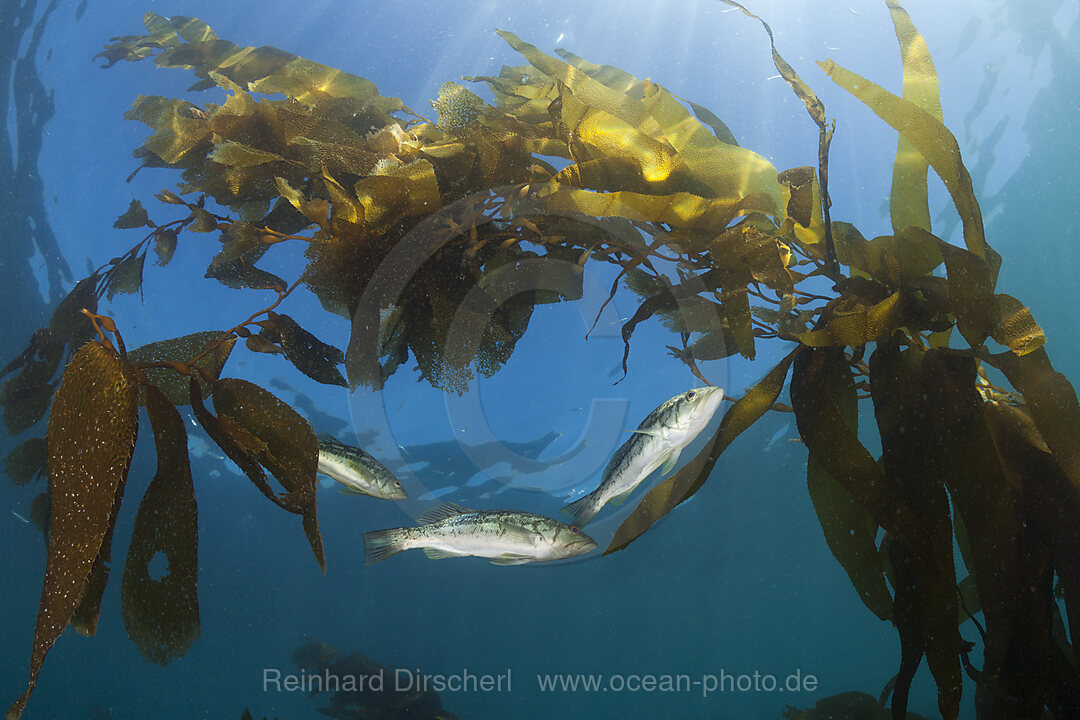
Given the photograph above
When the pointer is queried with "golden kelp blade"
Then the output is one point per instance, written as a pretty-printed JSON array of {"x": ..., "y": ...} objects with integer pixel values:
[
  {"x": 908, "y": 203},
  {"x": 91, "y": 437},
  {"x": 162, "y": 615},
  {"x": 930, "y": 137},
  {"x": 663, "y": 498},
  {"x": 849, "y": 529}
]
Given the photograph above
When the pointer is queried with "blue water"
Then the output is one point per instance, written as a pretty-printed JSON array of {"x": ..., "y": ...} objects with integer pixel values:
[{"x": 736, "y": 581}]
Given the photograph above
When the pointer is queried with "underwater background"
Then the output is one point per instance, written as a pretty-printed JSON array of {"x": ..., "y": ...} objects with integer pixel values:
[{"x": 739, "y": 580}]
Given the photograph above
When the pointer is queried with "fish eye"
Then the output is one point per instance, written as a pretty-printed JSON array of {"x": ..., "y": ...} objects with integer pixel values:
[
  {"x": 575, "y": 530},
  {"x": 397, "y": 483},
  {"x": 690, "y": 394}
]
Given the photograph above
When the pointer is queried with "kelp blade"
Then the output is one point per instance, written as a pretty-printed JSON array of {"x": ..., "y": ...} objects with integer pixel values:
[
  {"x": 91, "y": 438},
  {"x": 161, "y": 615}
]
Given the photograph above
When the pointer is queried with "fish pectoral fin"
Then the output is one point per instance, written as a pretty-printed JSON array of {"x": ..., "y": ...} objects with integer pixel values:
[
  {"x": 621, "y": 497},
  {"x": 346, "y": 490},
  {"x": 651, "y": 432},
  {"x": 437, "y": 554},
  {"x": 670, "y": 461},
  {"x": 519, "y": 533},
  {"x": 511, "y": 559},
  {"x": 441, "y": 512}
]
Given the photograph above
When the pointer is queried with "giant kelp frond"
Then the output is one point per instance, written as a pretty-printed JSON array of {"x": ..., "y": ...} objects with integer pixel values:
[{"x": 91, "y": 438}]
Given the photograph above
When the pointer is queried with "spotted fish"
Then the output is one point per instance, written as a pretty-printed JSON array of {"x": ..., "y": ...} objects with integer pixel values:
[
  {"x": 656, "y": 443},
  {"x": 507, "y": 537}
]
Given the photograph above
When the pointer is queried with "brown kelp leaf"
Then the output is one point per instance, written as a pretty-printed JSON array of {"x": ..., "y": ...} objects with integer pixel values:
[
  {"x": 22, "y": 414},
  {"x": 85, "y": 619},
  {"x": 91, "y": 437},
  {"x": 287, "y": 445},
  {"x": 202, "y": 221},
  {"x": 260, "y": 344},
  {"x": 28, "y": 461},
  {"x": 908, "y": 204},
  {"x": 310, "y": 355},
  {"x": 836, "y": 446},
  {"x": 1014, "y": 327},
  {"x": 1051, "y": 499},
  {"x": 68, "y": 321},
  {"x": 161, "y": 614},
  {"x": 134, "y": 217},
  {"x": 164, "y": 245},
  {"x": 930, "y": 138},
  {"x": 849, "y": 529},
  {"x": 234, "y": 441},
  {"x": 865, "y": 325},
  {"x": 913, "y": 453},
  {"x": 1053, "y": 404},
  {"x": 663, "y": 498},
  {"x": 126, "y": 276},
  {"x": 182, "y": 349},
  {"x": 971, "y": 290},
  {"x": 987, "y": 504}
]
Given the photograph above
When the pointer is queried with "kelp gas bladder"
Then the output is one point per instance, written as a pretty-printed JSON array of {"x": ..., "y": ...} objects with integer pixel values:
[{"x": 646, "y": 182}]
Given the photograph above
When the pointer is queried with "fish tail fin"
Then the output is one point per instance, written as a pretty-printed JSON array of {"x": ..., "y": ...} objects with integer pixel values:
[
  {"x": 581, "y": 511},
  {"x": 381, "y": 544}
]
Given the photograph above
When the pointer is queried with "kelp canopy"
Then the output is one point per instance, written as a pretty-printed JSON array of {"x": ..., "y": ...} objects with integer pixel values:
[{"x": 437, "y": 238}]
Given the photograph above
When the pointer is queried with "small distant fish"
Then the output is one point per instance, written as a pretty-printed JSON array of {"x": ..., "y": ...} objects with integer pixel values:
[
  {"x": 507, "y": 537},
  {"x": 657, "y": 442},
  {"x": 357, "y": 471}
]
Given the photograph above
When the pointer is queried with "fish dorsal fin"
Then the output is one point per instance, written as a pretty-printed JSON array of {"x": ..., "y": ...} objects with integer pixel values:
[
  {"x": 441, "y": 512},
  {"x": 327, "y": 438}
]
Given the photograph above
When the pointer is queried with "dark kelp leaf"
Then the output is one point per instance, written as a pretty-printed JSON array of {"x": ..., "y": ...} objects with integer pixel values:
[
  {"x": 286, "y": 445},
  {"x": 23, "y": 413},
  {"x": 182, "y": 349},
  {"x": 164, "y": 245},
  {"x": 1053, "y": 404},
  {"x": 1051, "y": 499},
  {"x": 987, "y": 503},
  {"x": 28, "y": 461},
  {"x": 663, "y": 498},
  {"x": 260, "y": 344},
  {"x": 67, "y": 321},
  {"x": 849, "y": 529},
  {"x": 926, "y": 607},
  {"x": 202, "y": 221},
  {"x": 242, "y": 274},
  {"x": 161, "y": 615},
  {"x": 310, "y": 355},
  {"x": 134, "y": 217},
  {"x": 91, "y": 437},
  {"x": 836, "y": 446},
  {"x": 222, "y": 431},
  {"x": 126, "y": 276}
]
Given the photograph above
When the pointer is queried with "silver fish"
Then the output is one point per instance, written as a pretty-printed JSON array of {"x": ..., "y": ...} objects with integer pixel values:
[
  {"x": 357, "y": 471},
  {"x": 508, "y": 537},
  {"x": 657, "y": 442}
]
